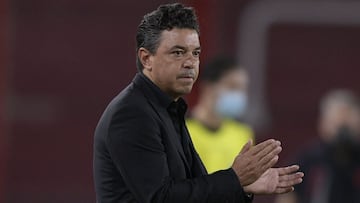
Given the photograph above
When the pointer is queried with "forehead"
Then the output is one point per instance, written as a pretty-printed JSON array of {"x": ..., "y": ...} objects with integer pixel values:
[
  {"x": 179, "y": 37},
  {"x": 335, "y": 108}
]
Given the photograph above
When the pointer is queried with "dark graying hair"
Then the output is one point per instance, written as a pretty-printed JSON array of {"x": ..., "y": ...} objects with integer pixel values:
[{"x": 166, "y": 17}]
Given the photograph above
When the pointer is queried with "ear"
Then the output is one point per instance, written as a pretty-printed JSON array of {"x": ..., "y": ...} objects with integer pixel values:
[{"x": 145, "y": 58}]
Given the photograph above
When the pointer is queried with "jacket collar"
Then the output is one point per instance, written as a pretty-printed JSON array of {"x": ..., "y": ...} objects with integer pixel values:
[
  {"x": 155, "y": 94},
  {"x": 161, "y": 101}
]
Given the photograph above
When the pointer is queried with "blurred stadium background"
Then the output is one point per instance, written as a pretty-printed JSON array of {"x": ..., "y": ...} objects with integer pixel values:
[{"x": 61, "y": 61}]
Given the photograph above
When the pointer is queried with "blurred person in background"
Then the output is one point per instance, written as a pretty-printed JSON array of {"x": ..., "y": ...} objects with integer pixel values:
[
  {"x": 214, "y": 125},
  {"x": 332, "y": 164}
]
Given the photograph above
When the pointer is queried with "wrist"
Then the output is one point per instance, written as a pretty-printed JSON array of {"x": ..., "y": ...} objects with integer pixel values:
[{"x": 248, "y": 189}]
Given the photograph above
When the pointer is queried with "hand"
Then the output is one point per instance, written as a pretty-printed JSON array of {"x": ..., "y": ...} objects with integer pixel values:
[
  {"x": 253, "y": 161},
  {"x": 276, "y": 181}
]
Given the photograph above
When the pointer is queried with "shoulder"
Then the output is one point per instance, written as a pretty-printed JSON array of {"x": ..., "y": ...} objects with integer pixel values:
[
  {"x": 130, "y": 97},
  {"x": 129, "y": 105}
]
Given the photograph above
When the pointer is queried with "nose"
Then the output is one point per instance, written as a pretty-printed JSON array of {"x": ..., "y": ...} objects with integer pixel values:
[{"x": 191, "y": 62}]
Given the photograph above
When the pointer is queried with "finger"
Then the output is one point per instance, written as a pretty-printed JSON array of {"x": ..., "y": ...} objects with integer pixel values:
[
  {"x": 265, "y": 165},
  {"x": 290, "y": 180},
  {"x": 261, "y": 146},
  {"x": 268, "y": 158},
  {"x": 270, "y": 151},
  {"x": 291, "y": 176},
  {"x": 284, "y": 190},
  {"x": 288, "y": 169},
  {"x": 246, "y": 147}
]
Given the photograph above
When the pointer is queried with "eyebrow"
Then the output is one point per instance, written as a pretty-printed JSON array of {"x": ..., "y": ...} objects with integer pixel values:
[{"x": 183, "y": 48}]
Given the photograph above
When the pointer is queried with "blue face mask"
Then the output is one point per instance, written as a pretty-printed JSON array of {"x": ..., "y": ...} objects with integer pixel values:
[{"x": 231, "y": 104}]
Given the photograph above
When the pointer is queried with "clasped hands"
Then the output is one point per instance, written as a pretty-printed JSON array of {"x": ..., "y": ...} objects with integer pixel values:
[{"x": 253, "y": 167}]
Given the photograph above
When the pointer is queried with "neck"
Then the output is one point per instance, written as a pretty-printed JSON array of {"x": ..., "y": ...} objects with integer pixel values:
[{"x": 148, "y": 75}]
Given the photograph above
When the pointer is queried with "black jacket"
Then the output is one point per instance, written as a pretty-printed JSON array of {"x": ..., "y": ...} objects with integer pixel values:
[{"x": 138, "y": 156}]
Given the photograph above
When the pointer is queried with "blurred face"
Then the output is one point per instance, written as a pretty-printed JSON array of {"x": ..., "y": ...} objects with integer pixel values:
[
  {"x": 174, "y": 67},
  {"x": 233, "y": 80},
  {"x": 335, "y": 116},
  {"x": 229, "y": 94}
]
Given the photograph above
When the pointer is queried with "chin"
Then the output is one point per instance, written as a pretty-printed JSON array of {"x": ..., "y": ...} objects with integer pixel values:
[
  {"x": 186, "y": 91},
  {"x": 183, "y": 91}
]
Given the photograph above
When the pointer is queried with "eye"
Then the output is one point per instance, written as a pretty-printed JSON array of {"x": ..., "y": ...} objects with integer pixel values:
[
  {"x": 196, "y": 53},
  {"x": 178, "y": 53}
]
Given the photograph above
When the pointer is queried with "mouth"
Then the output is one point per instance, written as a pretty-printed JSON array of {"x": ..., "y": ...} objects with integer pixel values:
[{"x": 186, "y": 77}]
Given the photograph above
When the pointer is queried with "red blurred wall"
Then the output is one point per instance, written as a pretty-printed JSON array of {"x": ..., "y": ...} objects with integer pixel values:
[
  {"x": 304, "y": 63},
  {"x": 69, "y": 59},
  {"x": 3, "y": 66}
]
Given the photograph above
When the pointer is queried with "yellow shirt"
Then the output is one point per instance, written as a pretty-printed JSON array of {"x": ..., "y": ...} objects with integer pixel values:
[{"x": 218, "y": 149}]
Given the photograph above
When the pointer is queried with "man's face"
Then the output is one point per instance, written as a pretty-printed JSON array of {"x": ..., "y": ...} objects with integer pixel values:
[{"x": 174, "y": 67}]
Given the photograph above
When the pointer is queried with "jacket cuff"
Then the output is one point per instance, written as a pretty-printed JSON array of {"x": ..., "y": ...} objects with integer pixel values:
[
  {"x": 248, "y": 197},
  {"x": 231, "y": 184}
]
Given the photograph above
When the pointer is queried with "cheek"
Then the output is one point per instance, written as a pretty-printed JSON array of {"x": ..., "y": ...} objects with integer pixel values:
[
  {"x": 197, "y": 70},
  {"x": 168, "y": 74},
  {"x": 161, "y": 70}
]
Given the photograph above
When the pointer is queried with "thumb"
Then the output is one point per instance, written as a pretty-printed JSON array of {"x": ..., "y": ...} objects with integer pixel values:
[{"x": 246, "y": 147}]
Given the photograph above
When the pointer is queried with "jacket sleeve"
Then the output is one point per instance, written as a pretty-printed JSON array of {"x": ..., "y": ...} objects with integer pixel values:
[{"x": 136, "y": 148}]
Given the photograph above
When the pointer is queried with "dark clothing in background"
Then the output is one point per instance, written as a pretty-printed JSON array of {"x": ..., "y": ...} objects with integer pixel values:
[
  {"x": 332, "y": 174},
  {"x": 143, "y": 153}
]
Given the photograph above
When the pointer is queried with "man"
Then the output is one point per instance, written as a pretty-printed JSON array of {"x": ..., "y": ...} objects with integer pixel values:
[
  {"x": 142, "y": 149},
  {"x": 332, "y": 163},
  {"x": 214, "y": 129}
]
